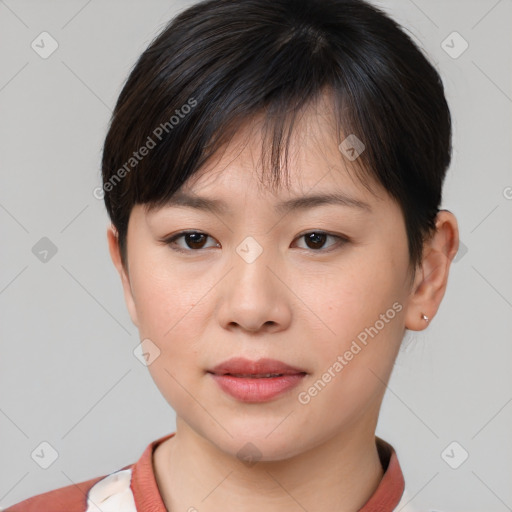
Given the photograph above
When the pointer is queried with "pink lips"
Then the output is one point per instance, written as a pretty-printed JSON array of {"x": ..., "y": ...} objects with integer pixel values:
[{"x": 256, "y": 381}]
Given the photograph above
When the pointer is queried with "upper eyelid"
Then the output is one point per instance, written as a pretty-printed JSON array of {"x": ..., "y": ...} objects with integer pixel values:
[
  {"x": 195, "y": 231},
  {"x": 178, "y": 235}
]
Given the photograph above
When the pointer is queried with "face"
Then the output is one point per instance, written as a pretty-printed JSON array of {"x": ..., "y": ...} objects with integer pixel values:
[{"x": 322, "y": 288}]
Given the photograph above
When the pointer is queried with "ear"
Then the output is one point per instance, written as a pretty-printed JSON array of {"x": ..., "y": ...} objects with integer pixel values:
[
  {"x": 115, "y": 254},
  {"x": 432, "y": 274}
]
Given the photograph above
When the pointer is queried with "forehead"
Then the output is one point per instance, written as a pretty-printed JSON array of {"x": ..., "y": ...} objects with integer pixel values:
[{"x": 310, "y": 162}]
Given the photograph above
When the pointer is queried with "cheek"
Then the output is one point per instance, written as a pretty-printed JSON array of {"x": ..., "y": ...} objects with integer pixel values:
[
  {"x": 356, "y": 345},
  {"x": 165, "y": 297},
  {"x": 360, "y": 302},
  {"x": 171, "y": 312},
  {"x": 343, "y": 297},
  {"x": 158, "y": 306},
  {"x": 168, "y": 312}
]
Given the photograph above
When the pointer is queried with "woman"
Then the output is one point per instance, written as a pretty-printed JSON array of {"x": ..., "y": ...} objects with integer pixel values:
[{"x": 273, "y": 172}]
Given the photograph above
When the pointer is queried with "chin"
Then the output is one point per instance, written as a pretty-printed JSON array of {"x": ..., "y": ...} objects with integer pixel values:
[{"x": 257, "y": 445}]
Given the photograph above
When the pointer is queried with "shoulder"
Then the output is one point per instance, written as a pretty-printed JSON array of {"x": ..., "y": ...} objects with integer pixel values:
[
  {"x": 80, "y": 497},
  {"x": 116, "y": 491}
]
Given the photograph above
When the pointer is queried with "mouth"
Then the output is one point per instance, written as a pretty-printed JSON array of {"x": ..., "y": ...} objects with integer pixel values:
[{"x": 256, "y": 381}]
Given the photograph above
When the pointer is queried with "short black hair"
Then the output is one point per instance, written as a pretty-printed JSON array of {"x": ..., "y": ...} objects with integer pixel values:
[{"x": 219, "y": 63}]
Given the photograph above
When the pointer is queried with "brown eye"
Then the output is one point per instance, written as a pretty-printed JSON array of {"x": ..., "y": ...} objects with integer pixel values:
[
  {"x": 194, "y": 241},
  {"x": 315, "y": 240}
]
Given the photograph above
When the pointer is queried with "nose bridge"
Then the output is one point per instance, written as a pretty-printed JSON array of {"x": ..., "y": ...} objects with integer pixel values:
[
  {"x": 257, "y": 238},
  {"x": 253, "y": 257}
]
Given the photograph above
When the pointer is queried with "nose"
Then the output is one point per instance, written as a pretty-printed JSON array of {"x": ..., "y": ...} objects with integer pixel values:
[{"x": 254, "y": 296}]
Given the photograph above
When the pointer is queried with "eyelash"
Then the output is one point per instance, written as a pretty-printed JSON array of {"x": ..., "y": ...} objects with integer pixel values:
[{"x": 342, "y": 240}]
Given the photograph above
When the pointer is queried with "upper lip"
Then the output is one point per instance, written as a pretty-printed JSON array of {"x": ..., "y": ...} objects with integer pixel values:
[{"x": 243, "y": 366}]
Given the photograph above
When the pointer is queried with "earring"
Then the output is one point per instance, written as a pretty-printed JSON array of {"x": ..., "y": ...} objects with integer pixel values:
[{"x": 425, "y": 317}]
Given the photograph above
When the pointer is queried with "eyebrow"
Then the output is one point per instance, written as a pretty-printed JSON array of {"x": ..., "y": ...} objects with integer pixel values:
[{"x": 218, "y": 206}]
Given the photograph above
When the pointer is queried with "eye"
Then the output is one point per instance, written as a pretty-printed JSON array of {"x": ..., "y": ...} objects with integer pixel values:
[
  {"x": 195, "y": 240},
  {"x": 316, "y": 239}
]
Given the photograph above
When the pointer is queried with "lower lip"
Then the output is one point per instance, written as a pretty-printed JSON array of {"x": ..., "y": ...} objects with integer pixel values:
[{"x": 247, "y": 389}]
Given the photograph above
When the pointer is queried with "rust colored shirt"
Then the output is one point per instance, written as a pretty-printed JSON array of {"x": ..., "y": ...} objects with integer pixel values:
[{"x": 134, "y": 489}]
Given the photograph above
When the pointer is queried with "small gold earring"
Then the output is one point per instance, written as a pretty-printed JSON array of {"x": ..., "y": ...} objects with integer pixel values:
[{"x": 425, "y": 317}]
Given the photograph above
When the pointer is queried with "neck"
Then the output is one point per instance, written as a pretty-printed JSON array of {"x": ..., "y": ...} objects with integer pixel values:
[{"x": 340, "y": 475}]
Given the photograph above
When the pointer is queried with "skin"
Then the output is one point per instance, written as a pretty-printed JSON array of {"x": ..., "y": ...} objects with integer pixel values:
[{"x": 300, "y": 303}]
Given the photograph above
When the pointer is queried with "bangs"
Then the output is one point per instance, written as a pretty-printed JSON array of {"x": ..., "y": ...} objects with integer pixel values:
[
  {"x": 221, "y": 64},
  {"x": 185, "y": 117}
]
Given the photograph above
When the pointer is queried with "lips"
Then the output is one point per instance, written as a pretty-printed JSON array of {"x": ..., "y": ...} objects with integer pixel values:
[
  {"x": 256, "y": 381},
  {"x": 262, "y": 368}
]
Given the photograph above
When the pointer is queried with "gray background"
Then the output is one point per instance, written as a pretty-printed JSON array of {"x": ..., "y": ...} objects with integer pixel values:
[{"x": 68, "y": 375}]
